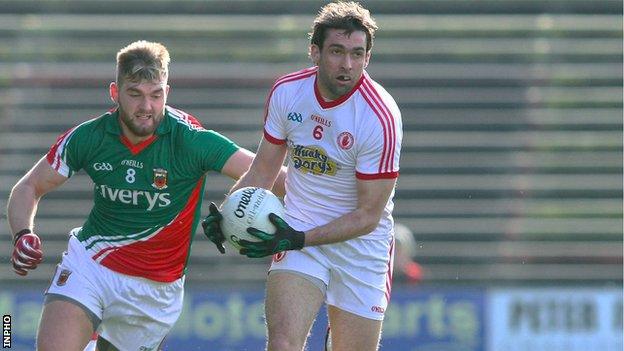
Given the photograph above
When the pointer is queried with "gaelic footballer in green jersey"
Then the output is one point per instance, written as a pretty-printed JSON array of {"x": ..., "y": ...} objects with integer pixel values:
[{"x": 147, "y": 196}]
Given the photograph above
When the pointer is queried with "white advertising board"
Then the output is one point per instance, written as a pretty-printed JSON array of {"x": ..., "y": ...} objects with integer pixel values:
[{"x": 557, "y": 319}]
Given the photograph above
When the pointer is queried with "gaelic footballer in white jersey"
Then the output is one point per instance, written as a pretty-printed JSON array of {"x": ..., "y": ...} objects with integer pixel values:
[{"x": 330, "y": 145}]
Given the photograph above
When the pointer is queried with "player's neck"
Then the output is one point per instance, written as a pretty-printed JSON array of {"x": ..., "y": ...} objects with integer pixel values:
[
  {"x": 324, "y": 93},
  {"x": 131, "y": 137}
]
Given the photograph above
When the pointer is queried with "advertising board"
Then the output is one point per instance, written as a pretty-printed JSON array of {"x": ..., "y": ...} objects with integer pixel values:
[{"x": 556, "y": 319}]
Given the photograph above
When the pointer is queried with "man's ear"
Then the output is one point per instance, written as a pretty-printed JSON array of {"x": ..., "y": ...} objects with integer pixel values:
[
  {"x": 113, "y": 91},
  {"x": 315, "y": 54},
  {"x": 367, "y": 60}
]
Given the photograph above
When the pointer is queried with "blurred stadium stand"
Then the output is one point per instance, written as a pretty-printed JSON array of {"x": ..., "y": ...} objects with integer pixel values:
[{"x": 512, "y": 163}]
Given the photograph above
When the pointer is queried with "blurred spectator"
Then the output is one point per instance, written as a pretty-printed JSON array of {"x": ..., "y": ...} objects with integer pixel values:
[{"x": 405, "y": 268}]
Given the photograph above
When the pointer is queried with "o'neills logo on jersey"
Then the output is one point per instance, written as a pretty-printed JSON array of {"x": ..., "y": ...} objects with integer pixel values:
[
  {"x": 378, "y": 309},
  {"x": 160, "y": 178},
  {"x": 321, "y": 120},
  {"x": 134, "y": 197},
  {"x": 313, "y": 159}
]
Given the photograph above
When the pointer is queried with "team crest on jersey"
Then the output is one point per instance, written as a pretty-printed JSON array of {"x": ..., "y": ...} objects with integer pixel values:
[
  {"x": 345, "y": 140},
  {"x": 62, "y": 279},
  {"x": 160, "y": 178},
  {"x": 313, "y": 159}
]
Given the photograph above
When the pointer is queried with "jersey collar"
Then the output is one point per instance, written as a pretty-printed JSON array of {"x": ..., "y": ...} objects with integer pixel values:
[
  {"x": 112, "y": 122},
  {"x": 165, "y": 125},
  {"x": 329, "y": 104}
]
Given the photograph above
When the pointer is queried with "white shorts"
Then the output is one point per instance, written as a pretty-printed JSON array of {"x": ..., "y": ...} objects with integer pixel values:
[
  {"x": 134, "y": 313},
  {"x": 357, "y": 273}
]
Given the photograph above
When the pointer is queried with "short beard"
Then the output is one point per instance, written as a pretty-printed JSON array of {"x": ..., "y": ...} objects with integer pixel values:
[
  {"x": 333, "y": 89},
  {"x": 140, "y": 132}
]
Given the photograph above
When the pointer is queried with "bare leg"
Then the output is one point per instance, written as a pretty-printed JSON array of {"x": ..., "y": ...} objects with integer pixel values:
[
  {"x": 64, "y": 326},
  {"x": 291, "y": 306},
  {"x": 350, "y": 332}
]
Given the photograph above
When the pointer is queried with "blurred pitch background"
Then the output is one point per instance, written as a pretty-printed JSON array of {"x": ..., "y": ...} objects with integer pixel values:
[{"x": 511, "y": 173}]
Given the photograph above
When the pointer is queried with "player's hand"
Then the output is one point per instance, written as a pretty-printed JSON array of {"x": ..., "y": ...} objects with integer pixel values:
[
  {"x": 27, "y": 253},
  {"x": 285, "y": 238},
  {"x": 212, "y": 227}
]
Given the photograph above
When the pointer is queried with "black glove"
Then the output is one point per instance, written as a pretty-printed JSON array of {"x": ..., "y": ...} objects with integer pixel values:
[
  {"x": 212, "y": 227},
  {"x": 285, "y": 238}
]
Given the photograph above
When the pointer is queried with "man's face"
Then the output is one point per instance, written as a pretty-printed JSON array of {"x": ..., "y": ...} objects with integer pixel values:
[
  {"x": 340, "y": 62},
  {"x": 141, "y": 106}
]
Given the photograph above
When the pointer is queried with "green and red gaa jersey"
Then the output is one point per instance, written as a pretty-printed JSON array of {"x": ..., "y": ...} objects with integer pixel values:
[{"x": 147, "y": 197}]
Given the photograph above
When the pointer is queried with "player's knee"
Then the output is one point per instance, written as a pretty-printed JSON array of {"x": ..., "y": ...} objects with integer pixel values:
[
  {"x": 284, "y": 342},
  {"x": 282, "y": 346}
]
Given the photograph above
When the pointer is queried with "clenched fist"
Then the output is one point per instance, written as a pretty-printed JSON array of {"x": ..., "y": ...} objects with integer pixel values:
[{"x": 27, "y": 253}]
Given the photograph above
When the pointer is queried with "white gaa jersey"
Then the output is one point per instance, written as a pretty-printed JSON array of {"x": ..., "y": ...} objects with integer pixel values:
[{"x": 330, "y": 144}]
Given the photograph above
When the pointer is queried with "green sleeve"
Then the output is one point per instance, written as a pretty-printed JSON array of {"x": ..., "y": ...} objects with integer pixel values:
[
  {"x": 211, "y": 150},
  {"x": 68, "y": 153}
]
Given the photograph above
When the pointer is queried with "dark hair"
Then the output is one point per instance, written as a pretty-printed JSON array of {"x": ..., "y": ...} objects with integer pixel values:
[{"x": 349, "y": 16}]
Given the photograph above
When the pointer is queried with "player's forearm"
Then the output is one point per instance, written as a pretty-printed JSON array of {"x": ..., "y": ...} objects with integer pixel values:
[
  {"x": 351, "y": 225},
  {"x": 257, "y": 179},
  {"x": 263, "y": 175},
  {"x": 22, "y": 206},
  {"x": 265, "y": 169},
  {"x": 279, "y": 186}
]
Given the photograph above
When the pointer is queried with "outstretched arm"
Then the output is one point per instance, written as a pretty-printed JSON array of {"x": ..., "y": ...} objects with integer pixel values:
[
  {"x": 21, "y": 209},
  {"x": 25, "y": 196}
]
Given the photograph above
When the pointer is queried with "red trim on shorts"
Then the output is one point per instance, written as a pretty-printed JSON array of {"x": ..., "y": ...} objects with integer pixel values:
[
  {"x": 103, "y": 251},
  {"x": 389, "y": 272}
]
